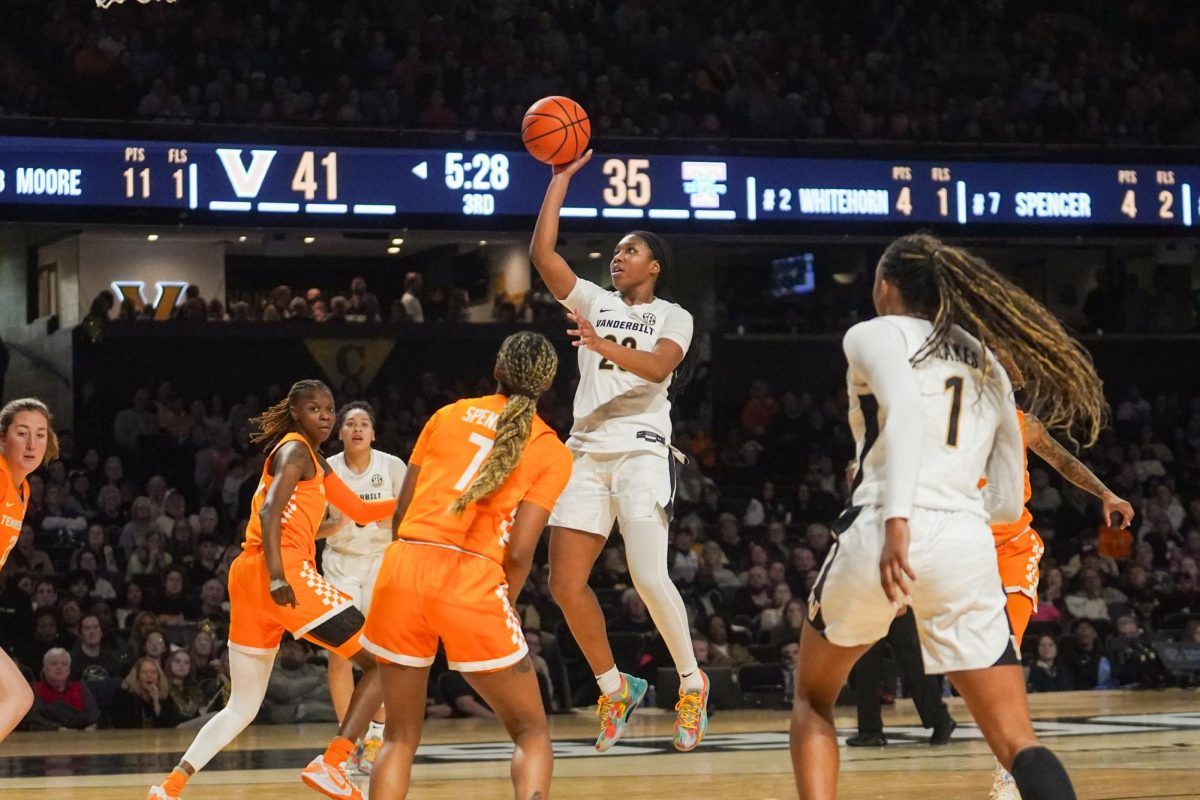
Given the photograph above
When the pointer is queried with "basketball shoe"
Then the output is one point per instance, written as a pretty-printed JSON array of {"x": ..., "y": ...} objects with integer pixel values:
[{"x": 614, "y": 710}]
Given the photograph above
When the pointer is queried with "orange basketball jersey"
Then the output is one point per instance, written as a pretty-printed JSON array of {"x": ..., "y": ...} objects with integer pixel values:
[
  {"x": 301, "y": 516},
  {"x": 13, "y": 499},
  {"x": 1002, "y": 533},
  {"x": 450, "y": 451}
]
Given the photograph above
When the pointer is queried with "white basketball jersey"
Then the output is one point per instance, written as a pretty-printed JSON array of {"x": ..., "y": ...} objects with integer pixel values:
[
  {"x": 382, "y": 479},
  {"x": 616, "y": 411},
  {"x": 961, "y": 411}
]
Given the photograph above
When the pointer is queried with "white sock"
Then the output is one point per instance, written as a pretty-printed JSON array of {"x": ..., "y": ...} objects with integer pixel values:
[
  {"x": 610, "y": 682},
  {"x": 248, "y": 675},
  {"x": 646, "y": 552},
  {"x": 374, "y": 730}
]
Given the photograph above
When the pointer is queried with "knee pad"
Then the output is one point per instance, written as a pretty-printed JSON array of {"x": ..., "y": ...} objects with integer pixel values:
[{"x": 338, "y": 629}]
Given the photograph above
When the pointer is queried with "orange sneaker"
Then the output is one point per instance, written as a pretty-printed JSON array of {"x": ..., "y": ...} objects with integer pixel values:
[{"x": 329, "y": 780}]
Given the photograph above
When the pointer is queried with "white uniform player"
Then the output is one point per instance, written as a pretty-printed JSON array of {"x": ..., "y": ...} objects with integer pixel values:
[
  {"x": 928, "y": 473},
  {"x": 353, "y": 554},
  {"x": 624, "y": 468}
]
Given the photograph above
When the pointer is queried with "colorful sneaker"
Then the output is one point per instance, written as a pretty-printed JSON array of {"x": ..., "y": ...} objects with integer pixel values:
[
  {"x": 692, "y": 719},
  {"x": 368, "y": 753},
  {"x": 1003, "y": 785},
  {"x": 329, "y": 781},
  {"x": 614, "y": 712}
]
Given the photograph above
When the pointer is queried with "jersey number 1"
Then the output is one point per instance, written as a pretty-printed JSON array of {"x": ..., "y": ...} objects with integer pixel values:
[
  {"x": 484, "y": 445},
  {"x": 954, "y": 384}
]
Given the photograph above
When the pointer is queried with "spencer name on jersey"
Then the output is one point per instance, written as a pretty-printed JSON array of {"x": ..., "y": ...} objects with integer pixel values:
[{"x": 611, "y": 405}]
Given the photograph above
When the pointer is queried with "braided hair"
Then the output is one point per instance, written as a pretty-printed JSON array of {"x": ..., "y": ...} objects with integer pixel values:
[
  {"x": 526, "y": 366},
  {"x": 276, "y": 422},
  {"x": 950, "y": 286},
  {"x": 661, "y": 253}
]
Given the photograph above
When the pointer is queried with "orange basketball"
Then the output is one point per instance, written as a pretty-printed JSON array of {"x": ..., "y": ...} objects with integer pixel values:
[{"x": 556, "y": 130}]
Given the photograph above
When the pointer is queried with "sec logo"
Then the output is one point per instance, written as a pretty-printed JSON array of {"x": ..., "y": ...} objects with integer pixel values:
[
  {"x": 649, "y": 319},
  {"x": 377, "y": 481}
]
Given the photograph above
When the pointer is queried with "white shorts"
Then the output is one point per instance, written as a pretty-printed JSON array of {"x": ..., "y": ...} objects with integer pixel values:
[
  {"x": 352, "y": 575},
  {"x": 626, "y": 487},
  {"x": 957, "y": 597}
]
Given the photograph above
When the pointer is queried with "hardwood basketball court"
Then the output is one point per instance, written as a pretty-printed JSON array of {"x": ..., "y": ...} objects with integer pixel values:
[{"x": 1118, "y": 745}]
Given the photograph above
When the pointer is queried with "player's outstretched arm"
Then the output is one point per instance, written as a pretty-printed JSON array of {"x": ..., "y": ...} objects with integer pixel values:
[
  {"x": 364, "y": 512},
  {"x": 405, "y": 497},
  {"x": 1049, "y": 450},
  {"x": 558, "y": 275}
]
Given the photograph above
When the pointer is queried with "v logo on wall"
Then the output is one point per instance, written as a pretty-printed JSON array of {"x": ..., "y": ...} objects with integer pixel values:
[
  {"x": 341, "y": 359},
  {"x": 170, "y": 294}
]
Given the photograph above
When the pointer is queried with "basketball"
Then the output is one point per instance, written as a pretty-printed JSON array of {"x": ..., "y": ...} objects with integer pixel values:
[{"x": 556, "y": 130}]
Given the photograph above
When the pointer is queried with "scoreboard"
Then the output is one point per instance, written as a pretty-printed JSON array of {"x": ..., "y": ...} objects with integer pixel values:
[{"x": 290, "y": 185}]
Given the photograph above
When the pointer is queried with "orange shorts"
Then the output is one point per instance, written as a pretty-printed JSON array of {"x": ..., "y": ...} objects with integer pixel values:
[
  {"x": 427, "y": 592},
  {"x": 1019, "y": 558},
  {"x": 322, "y": 614}
]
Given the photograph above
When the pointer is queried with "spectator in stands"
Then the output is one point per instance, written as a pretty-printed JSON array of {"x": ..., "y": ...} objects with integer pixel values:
[
  {"x": 148, "y": 558},
  {"x": 27, "y": 558},
  {"x": 135, "y": 534},
  {"x": 61, "y": 702},
  {"x": 1134, "y": 662},
  {"x": 706, "y": 656},
  {"x": 712, "y": 559},
  {"x": 1088, "y": 601},
  {"x": 1083, "y": 656},
  {"x": 1047, "y": 673},
  {"x": 152, "y": 645},
  {"x": 719, "y": 641},
  {"x": 790, "y": 625},
  {"x": 108, "y": 509},
  {"x": 45, "y": 594},
  {"x": 132, "y": 606},
  {"x": 93, "y": 657},
  {"x": 136, "y": 426},
  {"x": 144, "y": 698},
  {"x": 752, "y": 598},
  {"x": 1052, "y": 603},
  {"x": 411, "y": 299},
  {"x": 364, "y": 306},
  {"x": 682, "y": 559},
  {"x": 298, "y": 690},
  {"x": 60, "y": 518},
  {"x": 632, "y": 616},
  {"x": 182, "y": 687}
]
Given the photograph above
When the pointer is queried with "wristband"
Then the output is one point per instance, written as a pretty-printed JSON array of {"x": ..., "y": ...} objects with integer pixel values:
[{"x": 278, "y": 583}]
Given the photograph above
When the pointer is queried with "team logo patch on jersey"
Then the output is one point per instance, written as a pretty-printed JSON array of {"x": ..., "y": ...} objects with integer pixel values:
[
  {"x": 649, "y": 319},
  {"x": 377, "y": 480}
]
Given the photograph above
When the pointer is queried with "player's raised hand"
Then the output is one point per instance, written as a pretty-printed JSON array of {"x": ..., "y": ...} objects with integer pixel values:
[
  {"x": 894, "y": 569},
  {"x": 571, "y": 167},
  {"x": 584, "y": 331},
  {"x": 1117, "y": 512}
]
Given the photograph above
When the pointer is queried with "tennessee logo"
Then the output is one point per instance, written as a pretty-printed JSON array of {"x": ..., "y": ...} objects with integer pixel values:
[{"x": 170, "y": 294}]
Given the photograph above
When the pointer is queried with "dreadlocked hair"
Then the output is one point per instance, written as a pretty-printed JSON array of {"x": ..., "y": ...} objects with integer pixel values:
[
  {"x": 526, "y": 366},
  {"x": 682, "y": 375},
  {"x": 276, "y": 422},
  {"x": 14, "y": 407},
  {"x": 952, "y": 287}
]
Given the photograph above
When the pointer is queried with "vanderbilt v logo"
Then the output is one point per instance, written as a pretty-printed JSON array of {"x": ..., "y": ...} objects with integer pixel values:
[{"x": 169, "y": 295}]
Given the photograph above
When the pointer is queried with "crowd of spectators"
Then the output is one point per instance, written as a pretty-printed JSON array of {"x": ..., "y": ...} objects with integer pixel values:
[
  {"x": 114, "y": 599},
  {"x": 976, "y": 70}
]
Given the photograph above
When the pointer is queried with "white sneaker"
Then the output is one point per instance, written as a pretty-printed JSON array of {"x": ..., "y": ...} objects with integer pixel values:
[
  {"x": 1003, "y": 785},
  {"x": 158, "y": 793},
  {"x": 329, "y": 781}
]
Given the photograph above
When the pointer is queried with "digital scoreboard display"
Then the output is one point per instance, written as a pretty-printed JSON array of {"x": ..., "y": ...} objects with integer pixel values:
[{"x": 391, "y": 187}]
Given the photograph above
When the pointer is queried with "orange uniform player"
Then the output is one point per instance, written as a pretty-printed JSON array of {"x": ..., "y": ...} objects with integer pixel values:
[
  {"x": 274, "y": 587},
  {"x": 1019, "y": 549},
  {"x": 26, "y": 442},
  {"x": 257, "y": 622},
  {"x": 481, "y": 483},
  {"x": 444, "y": 576}
]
